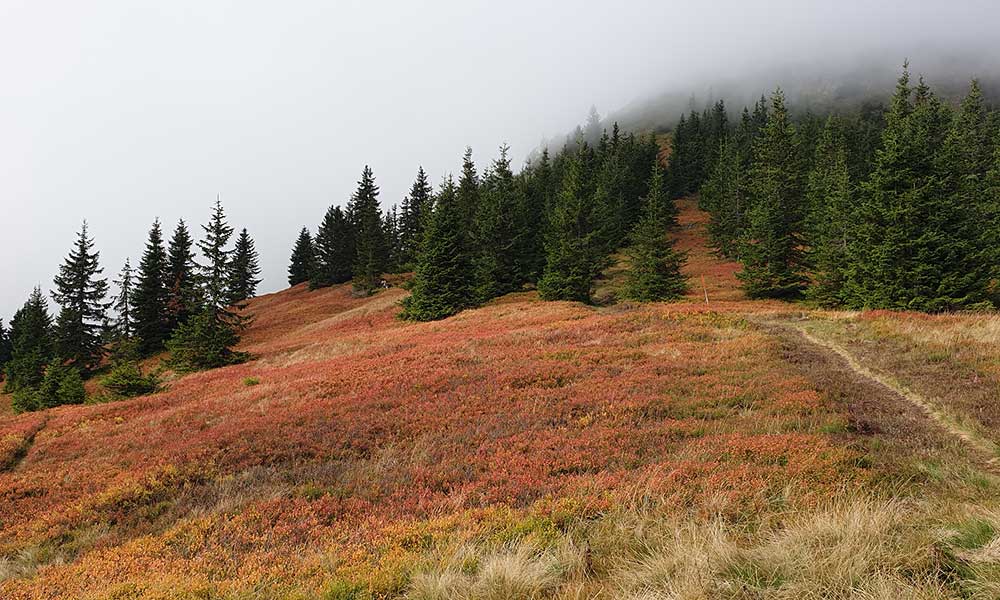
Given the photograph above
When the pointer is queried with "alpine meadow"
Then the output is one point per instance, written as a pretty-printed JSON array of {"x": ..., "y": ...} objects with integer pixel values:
[{"x": 735, "y": 337}]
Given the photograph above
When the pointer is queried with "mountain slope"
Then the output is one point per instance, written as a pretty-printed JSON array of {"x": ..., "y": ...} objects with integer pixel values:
[{"x": 524, "y": 449}]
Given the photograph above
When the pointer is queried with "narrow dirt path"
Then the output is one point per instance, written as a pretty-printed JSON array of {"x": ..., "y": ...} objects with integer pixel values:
[{"x": 926, "y": 407}]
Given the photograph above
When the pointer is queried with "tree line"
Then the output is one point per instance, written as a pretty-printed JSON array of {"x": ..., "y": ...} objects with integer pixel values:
[
  {"x": 171, "y": 301},
  {"x": 894, "y": 207},
  {"x": 553, "y": 225}
]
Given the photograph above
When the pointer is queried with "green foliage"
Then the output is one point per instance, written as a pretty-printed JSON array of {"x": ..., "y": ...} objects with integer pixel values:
[
  {"x": 80, "y": 293},
  {"x": 916, "y": 246},
  {"x": 334, "y": 243},
  {"x": 495, "y": 262},
  {"x": 830, "y": 221},
  {"x": 126, "y": 380},
  {"x": 302, "y": 264},
  {"x": 726, "y": 195},
  {"x": 442, "y": 283},
  {"x": 573, "y": 251},
  {"x": 371, "y": 254},
  {"x": 31, "y": 344},
  {"x": 414, "y": 216},
  {"x": 124, "y": 324},
  {"x": 150, "y": 298},
  {"x": 215, "y": 273},
  {"x": 251, "y": 381},
  {"x": 183, "y": 294},
  {"x": 770, "y": 245},
  {"x": 5, "y": 348},
  {"x": 62, "y": 384},
  {"x": 244, "y": 270},
  {"x": 203, "y": 342},
  {"x": 654, "y": 266}
]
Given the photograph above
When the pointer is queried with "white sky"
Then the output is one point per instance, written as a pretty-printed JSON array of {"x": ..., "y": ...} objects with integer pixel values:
[{"x": 122, "y": 111}]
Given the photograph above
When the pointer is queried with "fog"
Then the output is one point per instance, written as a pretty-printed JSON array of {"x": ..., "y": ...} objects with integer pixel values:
[{"x": 122, "y": 112}]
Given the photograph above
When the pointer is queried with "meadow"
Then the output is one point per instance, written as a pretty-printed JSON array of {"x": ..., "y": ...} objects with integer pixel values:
[{"x": 528, "y": 449}]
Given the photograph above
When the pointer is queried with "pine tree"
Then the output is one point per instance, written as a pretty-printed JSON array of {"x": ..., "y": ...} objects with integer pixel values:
[
  {"x": 654, "y": 272},
  {"x": 771, "y": 248},
  {"x": 495, "y": 262},
  {"x": 573, "y": 256},
  {"x": 124, "y": 327},
  {"x": 183, "y": 294},
  {"x": 80, "y": 294},
  {"x": 31, "y": 342},
  {"x": 334, "y": 258},
  {"x": 532, "y": 215},
  {"x": 415, "y": 211},
  {"x": 150, "y": 301},
  {"x": 215, "y": 273},
  {"x": 370, "y": 250},
  {"x": 829, "y": 225},
  {"x": 302, "y": 264},
  {"x": 442, "y": 282},
  {"x": 244, "y": 270}
]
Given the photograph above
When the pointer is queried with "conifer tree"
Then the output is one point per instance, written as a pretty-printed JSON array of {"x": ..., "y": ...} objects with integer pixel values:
[
  {"x": 244, "y": 270},
  {"x": 150, "y": 301},
  {"x": 183, "y": 293},
  {"x": 390, "y": 227},
  {"x": 80, "y": 293},
  {"x": 468, "y": 190},
  {"x": 370, "y": 248},
  {"x": 654, "y": 272},
  {"x": 442, "y": 282},
  {"x": 725, "y": 194},
  {"x": 124, "y": 328},
  {"x": 829, "y": 225},
  {"x": 532, "y": 215},
  {"x": 912, "y": 249},
  {"x": 31, "y": 343},
  {"x": 415, "y": 211},
  {"x": 215, "y": 273},
  {"x": 302, "y": 264},
  {"x": 573, "y": 256},
  {"x": 771, "y": 248},
  {"x": 495, "y": 262},
  {"x": 334, "y": 250},
  {"x": 964, "y": 164},
  {"x": 5, "y": 348}
]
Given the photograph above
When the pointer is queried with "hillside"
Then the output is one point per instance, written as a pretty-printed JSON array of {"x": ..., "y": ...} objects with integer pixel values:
[{"x": 714, "y": 447}]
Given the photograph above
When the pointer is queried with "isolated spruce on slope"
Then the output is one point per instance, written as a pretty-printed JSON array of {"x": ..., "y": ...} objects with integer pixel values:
[{"x": 81, "y": 293}]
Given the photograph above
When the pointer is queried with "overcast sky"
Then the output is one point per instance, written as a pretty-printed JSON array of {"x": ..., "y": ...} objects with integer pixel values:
[{"x": 120, "y": 112}]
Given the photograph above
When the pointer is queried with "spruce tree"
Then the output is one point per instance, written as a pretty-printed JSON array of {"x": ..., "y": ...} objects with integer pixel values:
[
  {"x": 80, "y": 293},
  {"x": 302, "y": 264},
  {"x": 370, "y": 248},
  {"x": 215, "y": 273},
  {"x": 442, "y": 282},
  {"x": 5, "y": 348},
  {"x": 390, "y": 228},
  {"x": 535, "y": 199},
  {"x": 654, "y": 272},
  {"x": 31, "y": 343},
  {"x": 771, "y": 247},
  {"x": 573, "y": 254},
  {"x": 830, "y": 224},
  {"x": 150, "y": 301},
  {"x": 183, "y": 293},
  {"x": 124, "y": 327},
  {"x": 468, "y": 190},
  {"x": 244, "y": 270},
  {"x": 964, "y": 164},
  {"x": 334, "y": 250},
  {"x": 913, "y": 248},
  {"x": 725, "y": 194},
  {"x": 495, "y": 262},
  {"x": 414, "y": 214}
]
